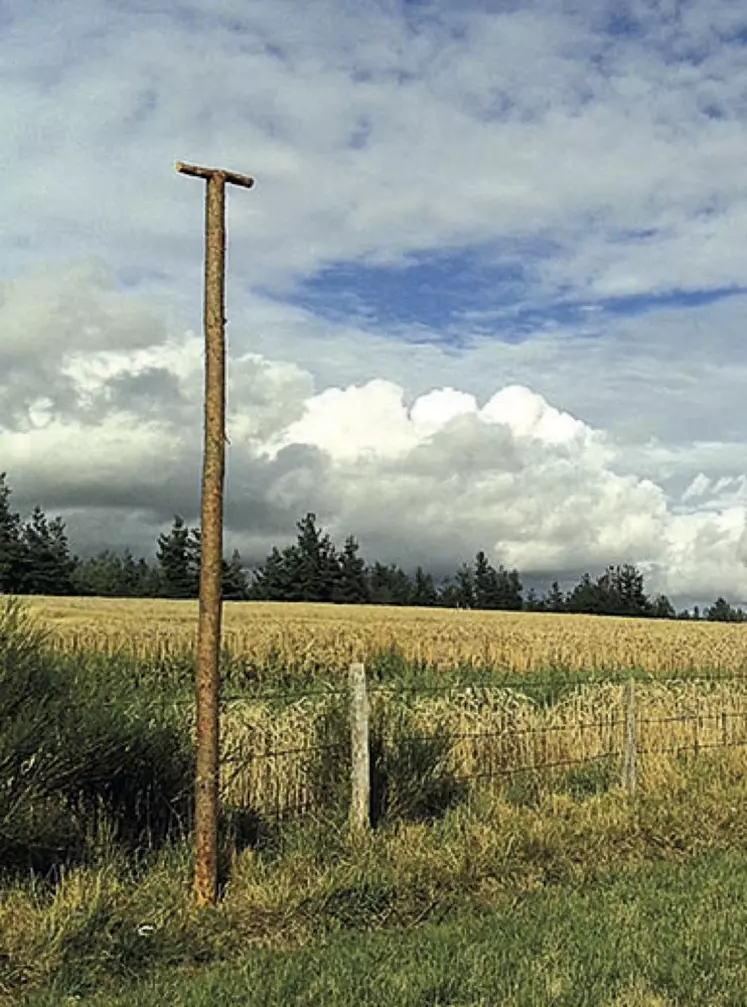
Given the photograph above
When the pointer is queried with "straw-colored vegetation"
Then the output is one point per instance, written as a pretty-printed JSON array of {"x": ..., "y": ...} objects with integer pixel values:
[
  {"x": 304, "y": 638},
  {"x": 85, "y": 933},
  {"x": 272, "y": 754},
  {"x": 271, "y": 751},
  {"x": 109, "y": 918}
]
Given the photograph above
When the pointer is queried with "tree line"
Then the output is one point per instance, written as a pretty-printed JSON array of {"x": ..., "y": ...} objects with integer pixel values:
[{"x": 35, "y": 558}]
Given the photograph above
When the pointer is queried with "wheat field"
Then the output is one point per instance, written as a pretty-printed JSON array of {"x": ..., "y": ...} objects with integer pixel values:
[
  {"x": 302, "y": 637},
  {"x": 267, "y": 749},
  {"x": 268, "y": 753}
]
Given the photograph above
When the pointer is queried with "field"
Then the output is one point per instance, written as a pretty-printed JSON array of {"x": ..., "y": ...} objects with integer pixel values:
[
  {"x": 485, "y": 732},
  {"x": 303, "y": 638},
  {"x": 547, "y": 857}
]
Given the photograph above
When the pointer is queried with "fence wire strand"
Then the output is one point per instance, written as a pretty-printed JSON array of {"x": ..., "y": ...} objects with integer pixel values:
[{"x": 531, "y": 744}]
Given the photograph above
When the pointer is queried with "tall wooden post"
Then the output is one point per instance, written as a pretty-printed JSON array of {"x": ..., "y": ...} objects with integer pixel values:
[{"x": 207, "y": 679}]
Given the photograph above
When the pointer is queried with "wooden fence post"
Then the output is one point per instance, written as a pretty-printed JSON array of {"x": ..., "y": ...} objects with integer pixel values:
[
  {"x": 360, "y": 756},
  {"x": 629, "y": 741}
]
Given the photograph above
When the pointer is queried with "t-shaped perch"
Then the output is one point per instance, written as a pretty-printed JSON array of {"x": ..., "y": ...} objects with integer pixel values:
[{"x": 207, "y": 676}]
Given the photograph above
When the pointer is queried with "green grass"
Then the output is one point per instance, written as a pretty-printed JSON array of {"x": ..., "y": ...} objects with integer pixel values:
[
  {"x": 500, "y": 894},
  {"x": 316, "y": 887},
  {"x": 660, "y": 935}
]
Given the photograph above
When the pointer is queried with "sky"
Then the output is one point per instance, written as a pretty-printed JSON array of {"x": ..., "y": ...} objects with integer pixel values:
[{"x": 488, "y": 292}]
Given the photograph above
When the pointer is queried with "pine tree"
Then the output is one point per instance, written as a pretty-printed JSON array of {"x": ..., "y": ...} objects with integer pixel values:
[
  {"x": 352, "y": 586},
  {"x": 424, "y": 591},
  {"x": 173, "y": 561},
  {"x": 130, "y": 575},
  {"x": 487, "y": 593},
  {"x": 40, "y": 568},
  {"x": 99, "y": 576},
  {"x": 586, "y": 596},
  {"x": 272, "y": 580},
  {"x": 389, "y": 585},
  {"x": 465, "y": 585},
  {"x": 67, "y": 563},
  {"x": 510, "y": 590},
  {"x": 722, "y": 611},
  {"x": 662, "y": 608},
  {"x": 318, "y": 566},
  {"x": 234, "y": 585},
  {"x": 629, "y": 586},
  {"x": 608, "y": 600},
  {"x": 149, "y": 580},
  {"x": 448, "y": 594},
  {"x": 400, "y": 586},
  {"x": 554, "y": 600},
  {"x": 379, "y": 584},
  {"x": 11, "y": 544},
  {"x": 48, "y": 565}
]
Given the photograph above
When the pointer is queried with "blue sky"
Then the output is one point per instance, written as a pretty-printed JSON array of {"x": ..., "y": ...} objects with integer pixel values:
[
  {"x": 444, "y": 289},
  {"x": 494, "y": 261}
]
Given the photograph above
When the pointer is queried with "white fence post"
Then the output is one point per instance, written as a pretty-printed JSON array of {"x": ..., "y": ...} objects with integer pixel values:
[
  {"x": 360, "y": 757},
  {"x": 629, "y": 741}
]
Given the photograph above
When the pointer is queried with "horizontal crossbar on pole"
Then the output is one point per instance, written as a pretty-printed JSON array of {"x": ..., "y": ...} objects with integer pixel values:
[{"x": 229, "y": 176}]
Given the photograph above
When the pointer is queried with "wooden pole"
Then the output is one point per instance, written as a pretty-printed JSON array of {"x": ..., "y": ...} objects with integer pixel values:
[
  {"x": 207, "y": 678},
  {"x": 360, "y": 774}
]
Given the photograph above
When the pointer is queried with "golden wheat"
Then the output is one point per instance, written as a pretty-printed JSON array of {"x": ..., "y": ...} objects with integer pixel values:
[
  {"x": 266, "y": 747},
  {"x": 303, "y": 638},
  {"x": 492, "y": 733}
]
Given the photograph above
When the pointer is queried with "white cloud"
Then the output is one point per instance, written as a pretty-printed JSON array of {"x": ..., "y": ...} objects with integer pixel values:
[
  {"x": 433, "y": 410},
  {"x": 697, "y": 488},
  {"x": 427, "y": 480},
  {"x": 375, "y": 131},
  {"x": 472, "y": 126}
]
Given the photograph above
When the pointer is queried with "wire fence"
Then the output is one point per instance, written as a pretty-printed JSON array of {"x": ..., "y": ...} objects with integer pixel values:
[{"x": 289, "y": 753}]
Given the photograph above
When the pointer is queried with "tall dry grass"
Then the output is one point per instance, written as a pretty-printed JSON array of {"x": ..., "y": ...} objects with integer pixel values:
[{"x": 272, "y": 754}]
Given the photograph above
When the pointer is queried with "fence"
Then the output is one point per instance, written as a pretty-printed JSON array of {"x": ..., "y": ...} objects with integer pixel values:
[{"x": 379, "y": 746}]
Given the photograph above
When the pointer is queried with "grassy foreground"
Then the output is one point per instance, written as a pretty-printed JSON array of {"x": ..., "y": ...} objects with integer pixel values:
[
  {"x": 105, "y": 924},
  {"x": 541, "y": 890},
  {"x": 658, "y": 936}
]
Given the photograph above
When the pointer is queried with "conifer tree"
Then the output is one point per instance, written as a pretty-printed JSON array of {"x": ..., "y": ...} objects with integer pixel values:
[
  {"x": 48, "y": 566},
  {"x": 271, "y": 581},
  {"x": 465, "y": 584},
  {"x": 318, "y": 567},
  {"x": 234, "y": 585},
  {"x": 424, "y": 591},
  {"x": 11, "y": 545},
  {"x": 554, "y": 600},
  {"x": 173, "y": 561},
  {"x": 352, "y": 584}
]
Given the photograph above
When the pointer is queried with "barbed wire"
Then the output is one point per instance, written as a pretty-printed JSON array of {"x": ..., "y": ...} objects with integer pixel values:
[
  {"x": 724, "y": 714},
  {"x": 538, "y": 767},
  {"x": 553, "y": 689},
  {"x": 282, "y": 752},
  {"x": 512, "y": 740}
]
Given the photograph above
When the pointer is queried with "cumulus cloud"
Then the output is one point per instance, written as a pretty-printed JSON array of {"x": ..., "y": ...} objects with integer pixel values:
[
  {"x": 487, "y": 293},
  {"x": 426, "y": 478},
  {"x": 382, "y": 130}
]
